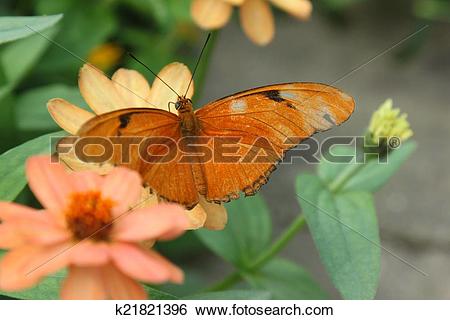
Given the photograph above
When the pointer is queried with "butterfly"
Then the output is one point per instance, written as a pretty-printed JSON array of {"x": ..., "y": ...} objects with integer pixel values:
[{"x": 281, "y": 114}]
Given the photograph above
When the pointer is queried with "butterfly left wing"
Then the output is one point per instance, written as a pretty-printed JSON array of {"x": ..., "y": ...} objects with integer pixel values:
[
  {"x": 277, "y": 117},
  {"x": 172, "y": 180}
]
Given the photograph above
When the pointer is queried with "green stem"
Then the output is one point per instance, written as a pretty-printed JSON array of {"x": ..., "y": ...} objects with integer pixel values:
[
  {"x": 233, "y": 278},
  {"x": 295, "y": 226},
  {"x": 346, "y": 174}
]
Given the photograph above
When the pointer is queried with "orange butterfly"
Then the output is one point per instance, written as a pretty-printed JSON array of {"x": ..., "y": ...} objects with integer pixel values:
[{"x": 278, "y": 113}]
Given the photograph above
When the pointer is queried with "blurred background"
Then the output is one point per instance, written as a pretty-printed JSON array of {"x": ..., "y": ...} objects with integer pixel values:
[{"x": 341, "y": 36}]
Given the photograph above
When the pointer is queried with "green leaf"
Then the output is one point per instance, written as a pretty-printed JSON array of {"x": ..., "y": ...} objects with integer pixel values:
[
  {"x": 47, "y": 289},
  {"x": 156, "y": 9},
  {"x": 247, "y": 234},
  {"x": 180, "y": 10},
  {"x": 432, "y": 9},
  {"x": 345, "y": 231},
  {"x": 84, "y": 27},
  {"x": 285, "y": 280},
  {"x": 231, "y": 295},
  {"x": 31, "y": 111},
  {"x": 337, "y": 5},
  {"x": 19, "y": 57},
  {"x": 13, "y": 28},
  {"x": 12, "y": 175},
  {"x": 155, "y": 294},
  {"x": 370, "y": 176}
]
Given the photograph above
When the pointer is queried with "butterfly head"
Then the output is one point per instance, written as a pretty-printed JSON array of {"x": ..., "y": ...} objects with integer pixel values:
[{"x": 183, "y": 105}]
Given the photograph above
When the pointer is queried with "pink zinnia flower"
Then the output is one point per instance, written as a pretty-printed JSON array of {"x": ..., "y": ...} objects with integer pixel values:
[{"x": 88, "y": 226}]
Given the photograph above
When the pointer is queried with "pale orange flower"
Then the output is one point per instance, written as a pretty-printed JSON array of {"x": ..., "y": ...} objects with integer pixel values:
[
  {"x": 87, "y": 225},
  {"x": 128, "y": 89},
  {"x": 255, "y": 15}
]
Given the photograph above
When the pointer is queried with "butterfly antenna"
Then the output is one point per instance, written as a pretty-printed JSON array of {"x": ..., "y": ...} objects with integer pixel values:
[
  {"x": 145, "y": 66},
  {"x": 198, "y": 62}
]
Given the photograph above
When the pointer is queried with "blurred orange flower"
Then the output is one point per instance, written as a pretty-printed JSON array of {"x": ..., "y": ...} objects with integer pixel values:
[
  {"x": 128, "y": 89},
  {"x": 105, "y": 56},
  {"x": 86, "y": 225},
  {"x": 256, "y": 16}
]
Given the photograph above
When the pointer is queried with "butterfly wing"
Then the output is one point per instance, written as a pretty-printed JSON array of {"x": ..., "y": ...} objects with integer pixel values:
[
  {"x": 171, "y": 180},
  {"x": 277, "y": 117}
]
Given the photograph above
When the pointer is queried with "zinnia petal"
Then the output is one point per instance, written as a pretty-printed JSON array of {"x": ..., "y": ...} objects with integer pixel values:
[
  {"x": 87, "y": 253},
  {"x": 84, "y": 283},
  {"x": 123, "y": 186},
  {"x": 86, "y": 181},
  {"x": 300, "y": 9},
  {"x": 211, "y": 14},
  {"x": 151, "y": 223},
  {"x": 50, "y": 183},
  {"x": 144, "y": 265},
  {"x": 98, "y": 90},
  {"x": 216, "y": 215},
  {"x": 68, "y": 116},
  {"x": 177, "y": 76},
  {"x": 21, "y": 225},
  {"x": 121, "y": 287},
  {"x": 257, "y": 21},
  {"x": 133, "y": 87},
  {"x": 23, "y": 267}
]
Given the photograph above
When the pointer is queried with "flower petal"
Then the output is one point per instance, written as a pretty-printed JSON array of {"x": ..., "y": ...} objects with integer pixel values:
[
  {"x": 147, "y": 199},
  {"x": 216, "y": 215},
  {"x": 84, "y": 283},
  {"x": 50, "y": 183},
  {"x": 86, "y": 181},
  {"x": 177, "y": 76},
  {"x": 21, "y": 225},
  {"x": 87, "y": 253},
  {"x": 68, "y": 116},
  {"x": 98, "y": 90},
  {"x": 235, "y": 2},
  {"x": 10, "y": 211},
  {"x": 68, "y": 158},
  {"x": 257, "y": 21},
  {"x": 151, "y": 223},
  {"x": 124, "y": 187},
  {"x": 144, "y": 265},
  {"x": 197, "y": 217},
  {"x": 211, "y": 14},
  {"x": 300, "y": 9},
  {"x": 121, "y": 287},
  {"x": 23, "y": 267},
  {"x": 133, "y": 87}
]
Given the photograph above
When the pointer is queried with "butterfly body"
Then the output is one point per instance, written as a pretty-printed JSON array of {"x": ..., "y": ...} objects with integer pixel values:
[
  {"x": 226, "y": 137},
  {"x": 189, "y": 124}
]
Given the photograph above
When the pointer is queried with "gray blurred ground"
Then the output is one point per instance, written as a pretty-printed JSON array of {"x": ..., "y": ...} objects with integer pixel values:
[{"x": 413, "y": 208}]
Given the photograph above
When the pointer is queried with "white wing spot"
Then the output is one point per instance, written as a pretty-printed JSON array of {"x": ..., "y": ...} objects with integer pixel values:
[
  {"x": 288, "y": 95},
  {"x": 238, "y": 106},
  {"x": 346, "y": 97}
]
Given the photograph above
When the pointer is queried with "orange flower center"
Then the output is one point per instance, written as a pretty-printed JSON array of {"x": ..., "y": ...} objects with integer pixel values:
[{"x": 89, "y": 215}]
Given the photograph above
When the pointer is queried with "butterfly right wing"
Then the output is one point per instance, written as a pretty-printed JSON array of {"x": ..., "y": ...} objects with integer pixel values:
[{"x": 171, "y": 180}]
